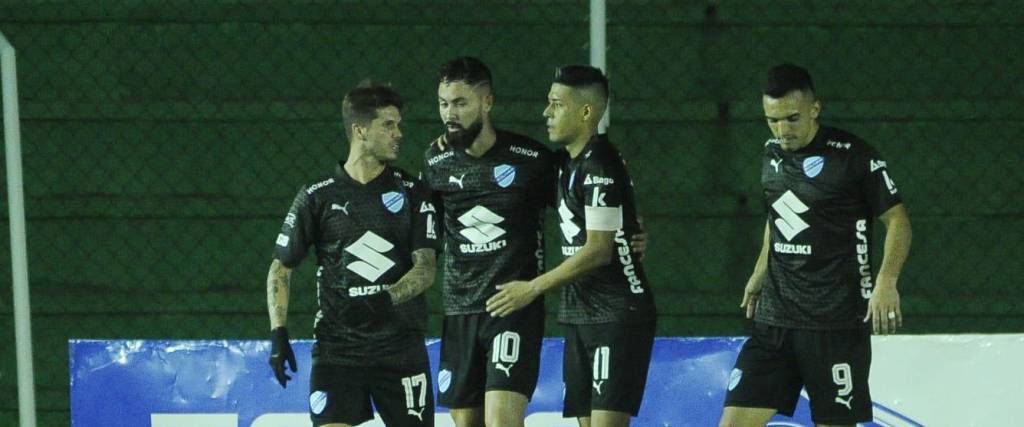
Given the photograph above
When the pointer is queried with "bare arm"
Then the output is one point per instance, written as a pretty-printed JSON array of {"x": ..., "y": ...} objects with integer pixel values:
[
  {"x": 512, "y": 296},
  {"x": 884, "y": 306},
  {"x": 595, "y": 253},
  {"x": 753, "y": 289},
  {"x": 278, "y": 284},
  {"x": 418, "y": 279},
  {"x": 898, "y": 236}
]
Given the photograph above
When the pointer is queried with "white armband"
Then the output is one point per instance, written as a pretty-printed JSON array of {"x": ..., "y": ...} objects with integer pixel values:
[{"x": 603, "y": 218}]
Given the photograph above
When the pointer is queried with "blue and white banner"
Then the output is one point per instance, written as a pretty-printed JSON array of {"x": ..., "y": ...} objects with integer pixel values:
[{"x": 957, "y": 380}]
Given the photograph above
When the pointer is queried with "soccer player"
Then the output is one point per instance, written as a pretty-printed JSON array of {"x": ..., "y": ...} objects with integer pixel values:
[
  {"x": 492, "y": 187},
  {"x": 606, "y": 299},
  {"x": 811, "y": 293},
  {"x": 372, "y": 227}
]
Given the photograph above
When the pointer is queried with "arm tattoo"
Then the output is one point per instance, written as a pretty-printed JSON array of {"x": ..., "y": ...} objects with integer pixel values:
[
  {"x": 418, "y": 279},
  {"x": 278, "y": 282}
]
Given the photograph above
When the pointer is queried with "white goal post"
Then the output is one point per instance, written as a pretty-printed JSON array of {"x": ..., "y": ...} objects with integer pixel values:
[{"x": 19, "y": 254}]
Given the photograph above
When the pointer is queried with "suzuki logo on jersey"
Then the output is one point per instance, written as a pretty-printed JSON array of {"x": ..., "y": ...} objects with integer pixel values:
[
  {"x": 359, "y": 291},
  {"x": 393, "y": 201},
  {"x": 453, "y": 180},
  {"x": 504, "y": 175},
  {"x": 481, "y": 229},
  {"x": 813, "y": 166},
  {"x": 789, "y": 208},
  {"x": 569, "y": 229},
  {"x": 372, "y": 263}
]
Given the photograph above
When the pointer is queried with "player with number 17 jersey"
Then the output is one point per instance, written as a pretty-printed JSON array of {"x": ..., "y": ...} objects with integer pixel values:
[{"x": 364, "y": 235}]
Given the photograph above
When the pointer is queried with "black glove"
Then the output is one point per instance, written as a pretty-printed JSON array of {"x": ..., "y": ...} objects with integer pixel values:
[
  {"x": 281, "y": 352},
  {"x": 363, "y": 309}
]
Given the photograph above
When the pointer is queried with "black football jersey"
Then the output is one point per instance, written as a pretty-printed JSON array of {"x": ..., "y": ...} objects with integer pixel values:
[
  {"x": 364, "y": 235},
  {"x": 590, "y": 187},
  {"x": 821, "y": 202},
  {"x": 493, "y": 215}
]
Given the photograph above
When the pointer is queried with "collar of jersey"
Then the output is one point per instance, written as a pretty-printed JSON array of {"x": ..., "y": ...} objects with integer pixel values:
[{"x": 342, "y": 175}]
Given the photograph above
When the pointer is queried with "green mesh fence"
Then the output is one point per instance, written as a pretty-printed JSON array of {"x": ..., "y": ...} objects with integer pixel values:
[{"x": 163, "y": 141}]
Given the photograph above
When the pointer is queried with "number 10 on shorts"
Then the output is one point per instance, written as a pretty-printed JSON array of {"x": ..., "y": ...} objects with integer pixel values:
[{"x": 505, "y": 351}]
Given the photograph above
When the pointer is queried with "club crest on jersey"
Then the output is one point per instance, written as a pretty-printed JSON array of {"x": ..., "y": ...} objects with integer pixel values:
[
  {"x": 504, "y": 175},
  {"x": 813, "y": 166},
  {"x": 393, "y": 201}
]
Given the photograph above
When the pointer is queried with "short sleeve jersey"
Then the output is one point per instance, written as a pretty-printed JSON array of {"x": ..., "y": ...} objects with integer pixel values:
[
  {"x": 821, "y": 202},
  {"x": 364, "y": 236},
  {"x": 493, "y": 215},
  {"x": 595, "y": 192}
]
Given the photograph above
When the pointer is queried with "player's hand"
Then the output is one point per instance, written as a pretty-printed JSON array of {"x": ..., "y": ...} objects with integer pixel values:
[
  {"x": 884, "y": 307},
  {"x": 511, "y": 296},
  {"x": 361, "y": 309},
  {"x": 441, "y": 143},
  {"x": 751, "y": 294},
  {"x": 638, "y": 244},
  {"x": 281, "y": 352}
]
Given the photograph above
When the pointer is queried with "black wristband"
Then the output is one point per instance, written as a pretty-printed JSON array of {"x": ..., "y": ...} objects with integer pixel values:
[{"x": 279, "y": 333}]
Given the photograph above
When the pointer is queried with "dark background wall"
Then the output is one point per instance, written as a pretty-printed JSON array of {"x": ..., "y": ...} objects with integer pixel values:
[{"x": 163, "y": 142}]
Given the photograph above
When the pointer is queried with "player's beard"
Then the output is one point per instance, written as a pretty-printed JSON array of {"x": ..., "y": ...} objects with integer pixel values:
[{"x": 464, "y": 137}]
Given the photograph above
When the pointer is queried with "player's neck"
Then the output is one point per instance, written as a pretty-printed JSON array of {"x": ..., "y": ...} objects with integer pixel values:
[
  {"x": 815, "y": 127},
  {"x": 363, "y": 169},
  {"x": 483, "y": 142},
  {"x": 579, "y": 142}
]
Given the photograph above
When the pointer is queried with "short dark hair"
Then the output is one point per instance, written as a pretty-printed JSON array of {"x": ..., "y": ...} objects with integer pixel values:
[
  {"x": 583, "y": 77},
  {"x": 466, "y": 69},
  {"x": 785, "y": 78},
  {"x": 361, "y": 104}
]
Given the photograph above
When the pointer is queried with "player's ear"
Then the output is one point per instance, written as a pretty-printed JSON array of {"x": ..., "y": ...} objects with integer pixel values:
[
  {"x": 488, "y": 101},
  {"x": 586, "y": 112},
  {"x": 815, "y": 109},
  {"x": 358, "y": 132}
]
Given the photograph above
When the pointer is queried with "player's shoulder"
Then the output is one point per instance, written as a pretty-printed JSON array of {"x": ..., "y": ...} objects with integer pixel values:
[
  {"x": 601, "y": 152},
  {"x": 435, "y": 155},
  {"x": 403, "y": 177},
  {"x": 318, "y": 185},
  {"x": 845, "y": 143},
  {"x": 522, "y": 145}
]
